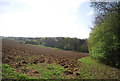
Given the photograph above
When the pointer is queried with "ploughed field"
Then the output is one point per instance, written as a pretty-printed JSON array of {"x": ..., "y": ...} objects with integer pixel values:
[{"x": 18, "y": 54}]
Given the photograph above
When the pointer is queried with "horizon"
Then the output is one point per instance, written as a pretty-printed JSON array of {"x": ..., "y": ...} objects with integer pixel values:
[
  {"x": 40, "y": 37},
  {"x": 36, "y": 18}
]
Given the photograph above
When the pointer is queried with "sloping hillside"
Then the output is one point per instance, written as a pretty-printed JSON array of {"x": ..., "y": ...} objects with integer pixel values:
[
  {"x": 28, "y": 61},
  {"x": 17, "y": 55}
]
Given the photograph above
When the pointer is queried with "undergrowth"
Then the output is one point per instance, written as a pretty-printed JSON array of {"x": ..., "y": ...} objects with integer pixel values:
[{"x": 92, "y": 69}]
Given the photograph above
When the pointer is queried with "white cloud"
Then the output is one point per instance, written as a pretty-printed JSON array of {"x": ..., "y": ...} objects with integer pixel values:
[{"x": 42, "y": 18}]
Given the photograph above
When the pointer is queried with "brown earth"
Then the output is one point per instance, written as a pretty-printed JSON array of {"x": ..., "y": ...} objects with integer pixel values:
[{"x": 17, "y": 54}]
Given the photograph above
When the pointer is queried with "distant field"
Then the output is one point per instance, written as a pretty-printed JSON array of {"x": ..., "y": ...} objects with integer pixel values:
[
  {"x": 54, "y": 48},
  {"x": 27, "y": 61}
]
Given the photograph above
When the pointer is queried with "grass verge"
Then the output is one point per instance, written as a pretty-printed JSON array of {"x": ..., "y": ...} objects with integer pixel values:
[
  {"x": 9, "y": 73},
  {"x": 48, "y": 71},
  {"x": 92, "y": 69},
  {"x": 45, "y": 46}
]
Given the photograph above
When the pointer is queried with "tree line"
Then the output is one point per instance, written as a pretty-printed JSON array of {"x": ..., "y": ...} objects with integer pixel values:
[
  {"x": 65, "y": 43},
  {"x": 104, "y": 40}
]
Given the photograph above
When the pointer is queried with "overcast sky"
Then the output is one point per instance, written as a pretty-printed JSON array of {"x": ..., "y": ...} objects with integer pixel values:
[{"x": 45, "y": 18}]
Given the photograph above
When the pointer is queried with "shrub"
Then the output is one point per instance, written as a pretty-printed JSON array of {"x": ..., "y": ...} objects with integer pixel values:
[{"x": 104, "y": 41}]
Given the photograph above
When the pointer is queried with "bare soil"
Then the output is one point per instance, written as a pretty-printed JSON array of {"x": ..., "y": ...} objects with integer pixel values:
[{"x": 17, "y": 54}]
